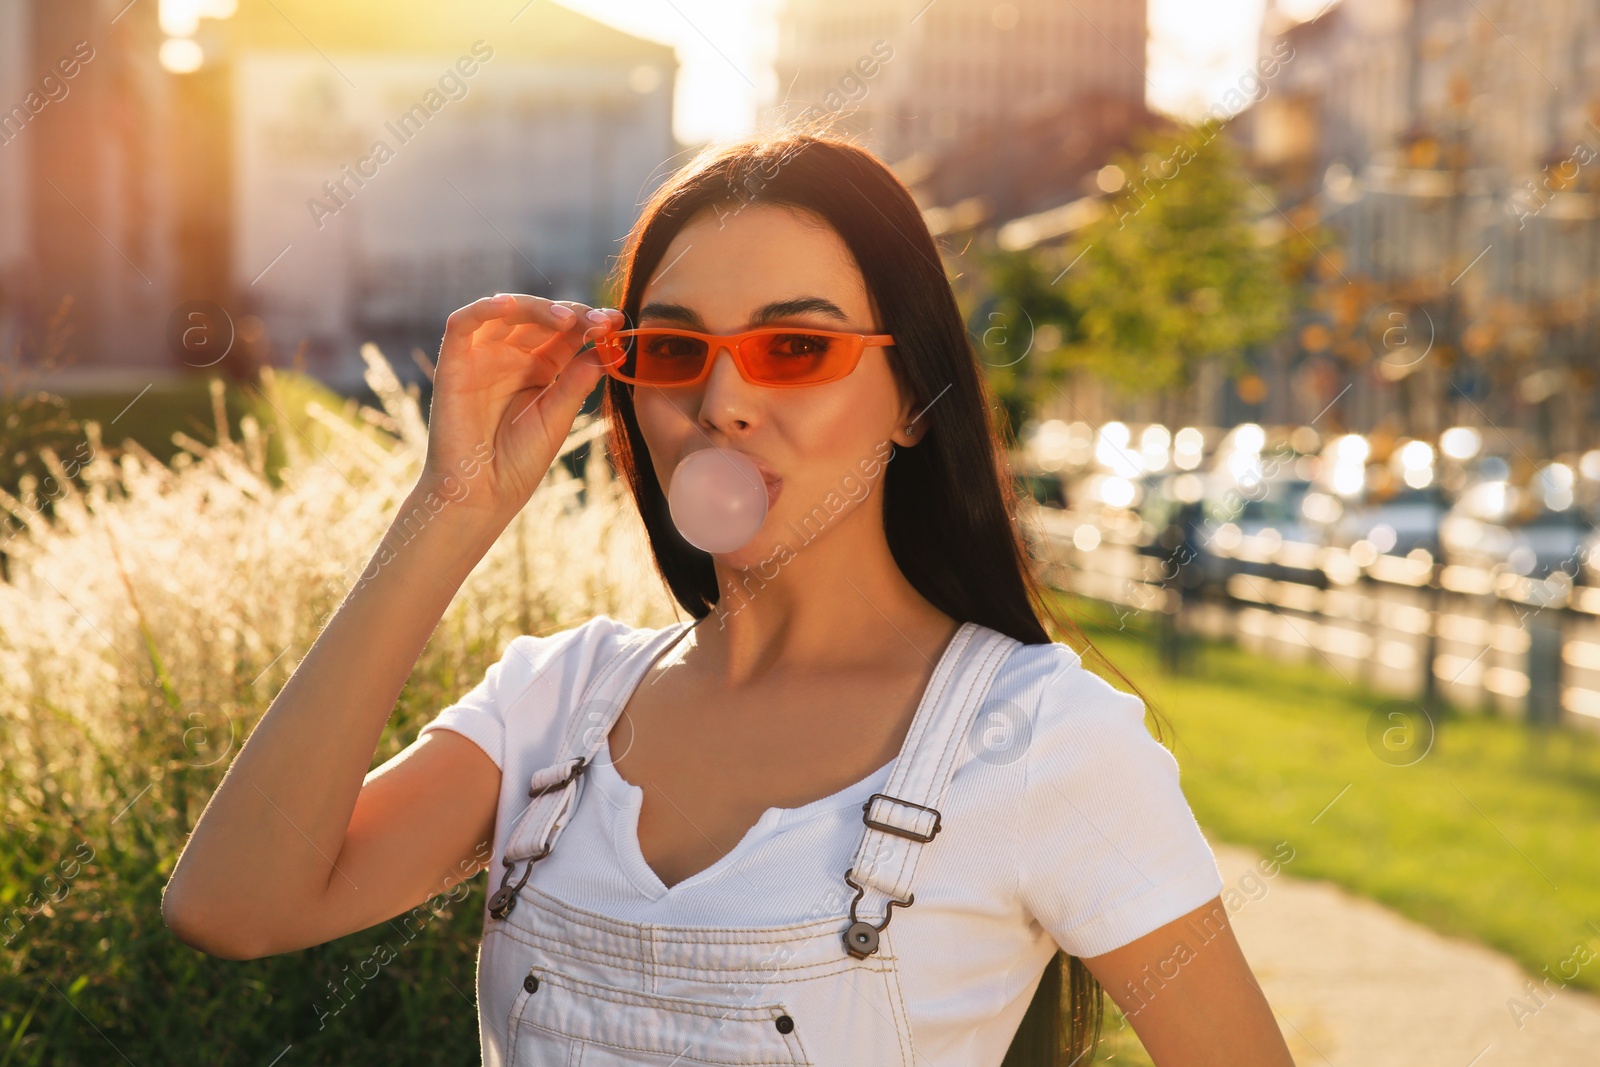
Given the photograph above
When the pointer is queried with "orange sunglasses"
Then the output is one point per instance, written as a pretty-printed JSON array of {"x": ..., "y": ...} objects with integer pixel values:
[{"x": 778, "y": 357}]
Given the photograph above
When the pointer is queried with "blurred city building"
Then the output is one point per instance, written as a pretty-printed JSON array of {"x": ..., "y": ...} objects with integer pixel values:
[
  {"x": 324, "y": 174},
  {"x": 13, "y": 207},
  {"x": 87, "y": 200},
  {"x": 999, "y": 117},
  {"x": 1453, "y": 146},
  {"x": 401, "y": 172},
  {"x": 1007, "y": 102}
]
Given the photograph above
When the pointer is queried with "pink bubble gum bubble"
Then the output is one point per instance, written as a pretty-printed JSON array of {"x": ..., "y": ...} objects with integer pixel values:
[{"x": 718, "y": 499}]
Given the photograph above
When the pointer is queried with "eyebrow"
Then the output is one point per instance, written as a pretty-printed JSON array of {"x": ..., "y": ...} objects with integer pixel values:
[{"x": 778, "y": 309}]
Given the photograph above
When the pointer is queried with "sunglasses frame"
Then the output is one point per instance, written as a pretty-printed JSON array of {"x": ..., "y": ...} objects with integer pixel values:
[{"x": 733, "y": 342}]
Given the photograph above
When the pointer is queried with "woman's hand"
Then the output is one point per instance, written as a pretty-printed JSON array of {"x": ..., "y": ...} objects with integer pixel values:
[{"x": 505, "y": 393}]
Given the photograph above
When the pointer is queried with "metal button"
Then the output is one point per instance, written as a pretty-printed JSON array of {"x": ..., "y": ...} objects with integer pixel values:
[
  {"x": 861, "y": 939},
  {"x": 784, "y": 1024},
  {"x": 501, "y": 903},
  {"x": 531, "y": 983}
]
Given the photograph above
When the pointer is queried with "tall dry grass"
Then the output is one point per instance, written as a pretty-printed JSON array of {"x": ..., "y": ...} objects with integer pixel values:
[{"x": 144, "y": 627}]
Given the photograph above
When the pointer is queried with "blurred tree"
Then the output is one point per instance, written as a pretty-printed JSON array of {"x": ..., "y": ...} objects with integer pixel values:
[
  {"x": 1175, "y": 271},
  {"x": 1020, "y": 329}
]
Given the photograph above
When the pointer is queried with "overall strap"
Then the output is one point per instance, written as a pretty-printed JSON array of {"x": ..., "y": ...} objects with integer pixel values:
[
  {"x": 905, "y": 816},
  {"x": 554, "y": 790}
]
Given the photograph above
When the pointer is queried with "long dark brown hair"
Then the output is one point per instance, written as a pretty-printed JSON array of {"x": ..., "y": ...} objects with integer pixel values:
[{"x": 949, "y": 503}]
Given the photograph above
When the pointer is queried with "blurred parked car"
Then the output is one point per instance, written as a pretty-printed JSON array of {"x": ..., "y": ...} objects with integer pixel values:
[
  {"x": 1272, "y": 507},
  {"x": 1495, "y": 525},
  {"x": 1549, "y": 541},
  {"x": 1396, "y": 525}
]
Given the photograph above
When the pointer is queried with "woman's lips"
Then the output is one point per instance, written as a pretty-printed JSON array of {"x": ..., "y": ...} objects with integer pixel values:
[{"x": 773, "y": 482}]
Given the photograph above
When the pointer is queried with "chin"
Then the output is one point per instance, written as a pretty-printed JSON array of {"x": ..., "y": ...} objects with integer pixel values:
[
  {"x": 761, "y": 558},
  {"x": 762, "y": 551}
]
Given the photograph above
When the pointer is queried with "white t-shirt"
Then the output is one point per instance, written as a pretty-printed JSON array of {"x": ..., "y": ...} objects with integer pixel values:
[{"x": 1072, "y": 833}]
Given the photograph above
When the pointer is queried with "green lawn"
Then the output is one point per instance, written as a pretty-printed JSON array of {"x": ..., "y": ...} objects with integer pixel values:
[{"x": 1494, "y": 834}]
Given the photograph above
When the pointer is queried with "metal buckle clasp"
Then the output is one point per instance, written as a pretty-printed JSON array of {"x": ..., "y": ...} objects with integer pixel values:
[
  {"x": 861, "y": 937},
  {"x": 577, "y": 769},
  {"x": 505, "y": 898},
  {"x": 866, "y": 817}
]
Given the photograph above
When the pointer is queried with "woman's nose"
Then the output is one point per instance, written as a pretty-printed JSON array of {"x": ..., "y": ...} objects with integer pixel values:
[{"x": 727, "y": 394}]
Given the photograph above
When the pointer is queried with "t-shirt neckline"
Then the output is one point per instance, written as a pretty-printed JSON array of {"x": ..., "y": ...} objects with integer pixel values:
[{"x": 627, "y": 799}]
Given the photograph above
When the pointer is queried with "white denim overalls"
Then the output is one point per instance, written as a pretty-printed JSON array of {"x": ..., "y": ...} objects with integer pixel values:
[{"x": 560, "y": 986}]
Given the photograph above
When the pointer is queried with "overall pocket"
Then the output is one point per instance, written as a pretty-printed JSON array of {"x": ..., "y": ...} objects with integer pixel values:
[{"x": 559, "y": 1020}]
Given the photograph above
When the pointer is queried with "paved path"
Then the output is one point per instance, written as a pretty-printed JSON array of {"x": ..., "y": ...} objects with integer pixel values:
[{"x": 1356, "y": 985}]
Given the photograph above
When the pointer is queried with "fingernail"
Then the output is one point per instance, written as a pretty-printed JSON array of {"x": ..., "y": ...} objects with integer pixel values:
[
  {"x": 599, "y": 318},
  {"x": 562, "y": 312}
]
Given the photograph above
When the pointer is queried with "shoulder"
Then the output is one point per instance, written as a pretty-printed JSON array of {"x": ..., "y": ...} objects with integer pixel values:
[
  {"x": 1067, "y": 728},
  {"x": 529, "y": 655},
  {"x": 1069, "y": 708},
  {"x": 1074, "y": 691},
  {"x": 550, "y": 671},
  {"x": 522, "y": 694},
  {"x": 1090, "y": 744}
]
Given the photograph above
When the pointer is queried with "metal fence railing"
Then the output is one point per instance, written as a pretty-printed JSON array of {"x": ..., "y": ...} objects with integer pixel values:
[{"x": 1410, "y": 626}]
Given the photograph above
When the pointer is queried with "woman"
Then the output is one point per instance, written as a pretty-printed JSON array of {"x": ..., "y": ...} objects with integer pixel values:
[{"x": 858, "y": 809}]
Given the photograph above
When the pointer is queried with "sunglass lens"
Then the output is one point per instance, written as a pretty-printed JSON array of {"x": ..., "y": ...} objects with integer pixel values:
[
  {"x": 662, "y": 358},
  {"x": 795, "y": 358}
]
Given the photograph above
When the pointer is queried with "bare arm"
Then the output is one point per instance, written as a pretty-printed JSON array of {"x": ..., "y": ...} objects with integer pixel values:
[
  {"x": 1191, "y": 997},
  {"x": 300, "y": 845}
]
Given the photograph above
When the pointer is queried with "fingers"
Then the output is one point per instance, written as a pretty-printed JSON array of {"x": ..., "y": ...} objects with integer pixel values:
[
  {"x": 514, "y": 309},
  {"x": 531, "y": 320},
  {"x": 572, "y": 387},
  {"x": 593, "y": 323},
  {"x": 554, "y": 351},
  {"x": 534, "y": 328}
]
